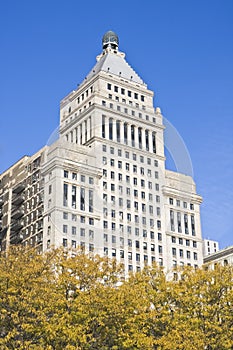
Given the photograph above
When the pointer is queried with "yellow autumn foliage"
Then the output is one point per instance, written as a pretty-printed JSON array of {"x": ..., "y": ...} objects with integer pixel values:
[{"x": 60, "y": 300}]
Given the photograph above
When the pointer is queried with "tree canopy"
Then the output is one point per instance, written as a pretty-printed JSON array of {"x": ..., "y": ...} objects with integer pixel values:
[{"x": 61, "y": 300}]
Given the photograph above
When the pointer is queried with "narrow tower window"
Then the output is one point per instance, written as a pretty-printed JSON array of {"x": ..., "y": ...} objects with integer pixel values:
[
  {"x": 154, "y": 142},
  {"x": 140, "y": 137},
  {"x": 103, "y": 126},
  {"x": 118, "y": 125},
  {"x": 65, "y": 195},
  {"x": 133, "y": 135},
  {"x": 125, "y": 133},
  {"x": 110, "y": 128}
]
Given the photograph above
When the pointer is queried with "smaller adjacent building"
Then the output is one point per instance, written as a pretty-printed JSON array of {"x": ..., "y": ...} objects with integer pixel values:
[
  {"x": 223, "y": 257},
  {"x": 210, "y": 247}
]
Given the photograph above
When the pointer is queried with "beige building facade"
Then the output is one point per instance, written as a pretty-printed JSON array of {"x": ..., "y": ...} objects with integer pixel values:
[{"x": 102, "y": 185}]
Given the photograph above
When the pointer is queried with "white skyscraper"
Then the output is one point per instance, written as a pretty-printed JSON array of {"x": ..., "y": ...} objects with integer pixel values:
[{"x": 104, "y": 183}]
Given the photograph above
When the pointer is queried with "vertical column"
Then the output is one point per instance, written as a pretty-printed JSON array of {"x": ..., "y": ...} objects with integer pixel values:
[
  {"x": 128, "y": 126},
  {"x": 143, "y": 132},
  {"x": 114, "y": 135},
  {"x": 150, "y": 141},
  {"x": 81, "y": 134},
  {"x": 122, "y": 132},
  {"x": 106, "y": 128},
  {"x": 84, "y": 132},
  {"x": 90, "y": 123},
  {"x": 136, "y": 136},
  {"x": 89, "y": 128}
]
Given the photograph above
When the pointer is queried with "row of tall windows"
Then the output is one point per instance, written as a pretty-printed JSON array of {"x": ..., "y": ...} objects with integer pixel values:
[
  {"x": 185, "y": 222},
  {"x": 82, "y": 133},
  {"x": 86, "y": 198},
  {"x": 127, "y": 134}
]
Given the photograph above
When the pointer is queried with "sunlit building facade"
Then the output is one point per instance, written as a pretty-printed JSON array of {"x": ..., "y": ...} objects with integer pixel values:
[{"x": 102, "y": 185}]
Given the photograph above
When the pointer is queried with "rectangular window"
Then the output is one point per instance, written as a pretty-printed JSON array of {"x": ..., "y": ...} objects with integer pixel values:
[
  {"x": 82, "y": 198},
  {"x": 91, "y": 180},
  {"x": 73, "y": 230},
  {"x": 64, "y": 242},
  {"x": 186, "y": 223},
  {"x": 91, "y": 221},
  {"x": 65, "y": 228},
  {"x": 74, "y": 197},
  {"x": 179, "y": 222},
  {"x": 82, "y": 219},
  {"x": 103, "y": 126},
  {"x": 154, "y": 142},
  {"x": 172, "y": 220},
  {"x": 91, "y": 195},
  {"x": 109, "y": 86},
  {"x": 74, "y": 176},
  {"x": 65, "y": 195},
  {"x": 66, "y": 173},
  {"x": 74, "y": 217},
  {"x": 193, "y": 225},
  {"x": 174, "y": 251},
  {"x": 110, "y": 125}
]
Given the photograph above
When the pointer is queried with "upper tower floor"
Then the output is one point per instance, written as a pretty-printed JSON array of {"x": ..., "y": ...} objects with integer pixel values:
[{"x": 112, "y": 93}]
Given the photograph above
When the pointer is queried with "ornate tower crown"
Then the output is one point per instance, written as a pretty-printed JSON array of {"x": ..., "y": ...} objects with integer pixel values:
[{"x": 110, "y": 39}]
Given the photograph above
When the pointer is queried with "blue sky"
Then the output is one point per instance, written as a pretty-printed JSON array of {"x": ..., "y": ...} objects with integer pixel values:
[{"x": 182, "y": 49}]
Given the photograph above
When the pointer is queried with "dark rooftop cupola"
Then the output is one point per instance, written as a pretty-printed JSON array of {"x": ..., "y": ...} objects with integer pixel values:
[{"x": 110, "y": 40}]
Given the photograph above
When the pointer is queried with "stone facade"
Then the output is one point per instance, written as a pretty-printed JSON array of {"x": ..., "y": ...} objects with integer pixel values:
[{"x": 103, "y": 183}]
